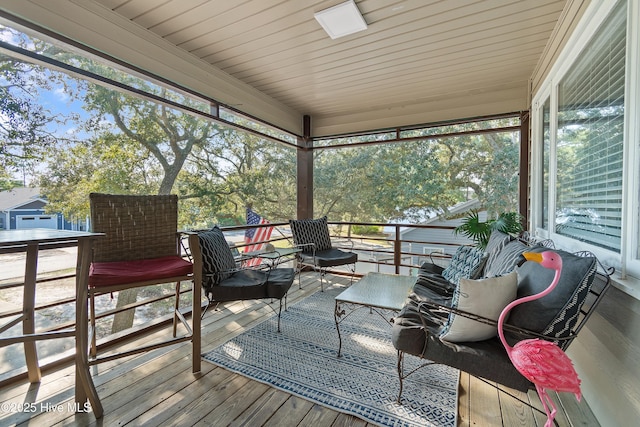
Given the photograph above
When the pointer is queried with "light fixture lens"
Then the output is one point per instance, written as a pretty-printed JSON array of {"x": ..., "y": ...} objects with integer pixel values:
[{"x": 341, "y": 20}]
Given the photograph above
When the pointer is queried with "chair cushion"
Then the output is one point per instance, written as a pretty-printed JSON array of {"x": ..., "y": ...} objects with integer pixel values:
[
  {"x": 241, "y": 285},
  {"x": 307, "y": 231},
  {"x": 216, "y": 254},
  {"x": 466, "y": 263},
  {"x": 279, "y": 281},
  {"x": 331, "y": 258},
  {"x": 254, "y": 284},
  {"x": 122, "y": 272},
  {"x": 484, "y": 297},
  {"x": 556, "y": 313}
]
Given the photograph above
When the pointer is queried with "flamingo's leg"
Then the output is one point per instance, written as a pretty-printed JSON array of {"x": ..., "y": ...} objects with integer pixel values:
[{"x": 546, "y": 403}]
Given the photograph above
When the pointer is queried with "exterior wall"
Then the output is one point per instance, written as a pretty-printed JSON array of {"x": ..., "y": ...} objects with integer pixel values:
[
  {"x": 573, "y": 11},
  {"x": 442, "y": 238},
  {"x": 607, "y": 351},
  {"x": 37, "y": 205},
  {"x": 606, "y": 356}
]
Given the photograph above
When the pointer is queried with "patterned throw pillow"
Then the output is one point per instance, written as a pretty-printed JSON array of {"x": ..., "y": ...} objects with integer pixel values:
[
  {"x": 216, "y": 254},
  {"x": 466, "y": 263},
  {"x": 307, "y": 231},
  {"x": 484, "y": 297},
  {"x": 507, "y": 259}
]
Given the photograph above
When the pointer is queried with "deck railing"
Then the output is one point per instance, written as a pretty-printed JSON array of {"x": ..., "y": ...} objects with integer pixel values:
[{"x": 400, "y": 249}]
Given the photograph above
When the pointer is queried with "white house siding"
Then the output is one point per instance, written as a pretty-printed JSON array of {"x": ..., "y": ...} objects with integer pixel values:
[{"x": 607, "y": 351}]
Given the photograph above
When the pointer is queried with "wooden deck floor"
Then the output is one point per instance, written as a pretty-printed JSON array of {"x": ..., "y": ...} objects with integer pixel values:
[{"x": 159, "y": 389}]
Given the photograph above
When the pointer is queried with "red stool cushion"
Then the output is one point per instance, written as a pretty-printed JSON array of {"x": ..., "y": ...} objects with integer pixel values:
[{"x": 122, "y": 272}]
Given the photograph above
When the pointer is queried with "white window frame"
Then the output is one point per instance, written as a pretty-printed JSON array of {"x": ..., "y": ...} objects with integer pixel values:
[{"x": 628, "y": 260}]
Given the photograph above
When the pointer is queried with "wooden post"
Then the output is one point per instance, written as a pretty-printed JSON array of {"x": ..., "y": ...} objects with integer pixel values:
[
  {"x": 525, "y": 151},
  {"x": 305, "y": 172}
]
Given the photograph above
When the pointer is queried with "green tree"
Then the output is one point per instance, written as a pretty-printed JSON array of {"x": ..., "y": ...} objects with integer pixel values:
[
  {"x": 237, "y": 170},
  {"x": 24, "y": 123},
  {"x": 168, "y": 135},
  {"x": 412, "y": 179},
  {"x": 109, "y": 164},
  {"x": 376, "y": 183}
]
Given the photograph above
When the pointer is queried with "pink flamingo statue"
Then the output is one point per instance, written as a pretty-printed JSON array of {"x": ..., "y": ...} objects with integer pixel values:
[{"x": 542, "y": 362}]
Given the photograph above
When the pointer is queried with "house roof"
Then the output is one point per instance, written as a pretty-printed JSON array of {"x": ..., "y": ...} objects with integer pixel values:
[
  {"x": 418, "y": 61},
  {"x": 457, "y": 209},
  {"x": 18, "y": 197}
]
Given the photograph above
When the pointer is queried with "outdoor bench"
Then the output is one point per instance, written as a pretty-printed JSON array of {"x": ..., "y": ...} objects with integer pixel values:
[{"x": 450, "y": 316}]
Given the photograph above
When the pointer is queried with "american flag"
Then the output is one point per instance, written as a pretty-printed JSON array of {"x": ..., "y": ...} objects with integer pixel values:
[{"x": 255, "y": 235}]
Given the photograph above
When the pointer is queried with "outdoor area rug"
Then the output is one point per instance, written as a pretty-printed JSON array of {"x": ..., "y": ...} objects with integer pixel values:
[{"x": 302, "y": 360}]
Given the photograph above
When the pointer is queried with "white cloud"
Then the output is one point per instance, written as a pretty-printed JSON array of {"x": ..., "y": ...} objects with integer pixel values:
[{"x": 61, "y": 94}]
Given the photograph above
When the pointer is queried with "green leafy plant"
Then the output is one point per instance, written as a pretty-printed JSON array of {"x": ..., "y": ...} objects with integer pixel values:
[{"x": 479, "y": 231}]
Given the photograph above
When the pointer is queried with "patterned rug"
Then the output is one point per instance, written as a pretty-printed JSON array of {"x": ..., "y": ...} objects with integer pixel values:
[{"x": 363, "y": 382}]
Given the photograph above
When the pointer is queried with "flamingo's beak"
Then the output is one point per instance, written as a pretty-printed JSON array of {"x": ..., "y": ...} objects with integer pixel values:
[{"x": 532, "y": 256}]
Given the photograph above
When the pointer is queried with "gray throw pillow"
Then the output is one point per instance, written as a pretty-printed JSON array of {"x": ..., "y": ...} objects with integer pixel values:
[
  {"x": 484, "y": 297},
  {"x": 497, "y": 241},
  {"x": 506, "y": 260}
]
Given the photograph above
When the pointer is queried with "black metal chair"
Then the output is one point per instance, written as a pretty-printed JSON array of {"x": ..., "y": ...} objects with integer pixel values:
[
  {"x": 312, "y": 237},
  {"x": 217, "y": 271}
]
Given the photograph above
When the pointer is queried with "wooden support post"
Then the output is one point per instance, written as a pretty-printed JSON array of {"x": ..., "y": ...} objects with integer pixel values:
[{"x": 305, "y": 172}]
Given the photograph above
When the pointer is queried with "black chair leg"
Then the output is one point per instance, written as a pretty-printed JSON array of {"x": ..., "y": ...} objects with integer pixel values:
[{"x": 400, "y": 376}]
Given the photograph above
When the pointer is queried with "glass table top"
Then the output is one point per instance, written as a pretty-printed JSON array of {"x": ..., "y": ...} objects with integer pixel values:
[{"x": 387, "y": 291}]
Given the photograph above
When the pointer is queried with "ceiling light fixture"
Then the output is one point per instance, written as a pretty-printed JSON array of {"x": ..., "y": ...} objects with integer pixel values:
[{"x": 341, "y": 20}]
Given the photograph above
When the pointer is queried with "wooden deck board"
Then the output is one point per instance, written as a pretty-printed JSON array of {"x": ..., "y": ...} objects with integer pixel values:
[
  {"x": 158, "y": 388},
  {"x": 291, "y": 412}
]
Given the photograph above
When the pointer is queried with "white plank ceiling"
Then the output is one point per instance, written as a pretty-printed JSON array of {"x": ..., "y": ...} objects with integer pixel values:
[{"x": 414, "y": 52}]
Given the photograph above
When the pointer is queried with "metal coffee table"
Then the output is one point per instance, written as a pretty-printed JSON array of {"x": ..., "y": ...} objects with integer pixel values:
[{"x": 382, "y": 293}]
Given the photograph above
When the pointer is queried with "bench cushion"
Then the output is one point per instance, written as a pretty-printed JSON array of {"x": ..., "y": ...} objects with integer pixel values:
[
  {"x": 487, "y": 359},
  {"x": 123, "y": 272}
]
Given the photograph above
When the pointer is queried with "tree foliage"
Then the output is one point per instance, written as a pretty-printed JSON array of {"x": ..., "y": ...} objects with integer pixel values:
[
  {"x": 167, "y": 134},
  {"x": 413, "y": 180},
  {"x": 25, "y": 123},
  {"x": 109, "y": 164},
  {"x": 237, "y": 170}
]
